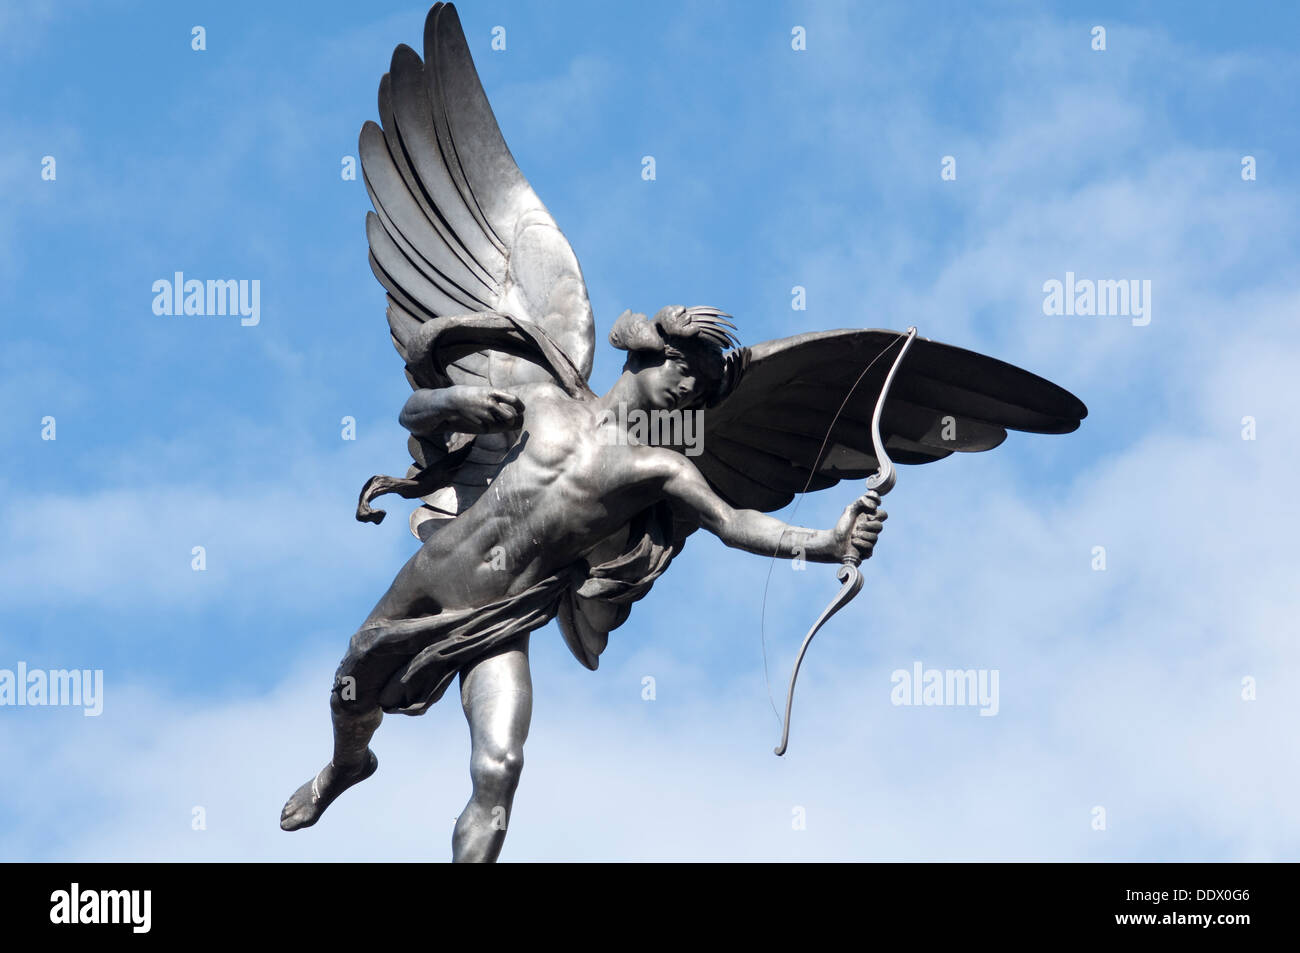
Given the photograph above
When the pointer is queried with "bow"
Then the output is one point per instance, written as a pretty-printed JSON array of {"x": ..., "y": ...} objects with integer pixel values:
[{"x": 879, "y": 483}]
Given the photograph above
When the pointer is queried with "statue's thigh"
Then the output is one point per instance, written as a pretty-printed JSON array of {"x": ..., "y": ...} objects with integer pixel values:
[{"x": 497, "y": 696}]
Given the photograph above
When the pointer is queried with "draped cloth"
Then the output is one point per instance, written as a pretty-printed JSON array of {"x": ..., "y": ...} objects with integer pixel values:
[{"x": 407, "y": 664}]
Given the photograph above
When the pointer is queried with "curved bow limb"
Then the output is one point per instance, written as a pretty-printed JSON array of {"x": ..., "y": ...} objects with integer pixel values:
[{"x": 852, "y": 582}]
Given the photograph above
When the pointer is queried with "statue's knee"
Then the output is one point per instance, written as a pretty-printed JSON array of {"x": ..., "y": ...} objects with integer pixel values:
[
  {"x": 497, "y": 770},
  {"x": 346, "y": 701}
]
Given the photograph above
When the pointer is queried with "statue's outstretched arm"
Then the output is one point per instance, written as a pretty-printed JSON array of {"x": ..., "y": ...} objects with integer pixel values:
[{"x": 858, "y": 526}]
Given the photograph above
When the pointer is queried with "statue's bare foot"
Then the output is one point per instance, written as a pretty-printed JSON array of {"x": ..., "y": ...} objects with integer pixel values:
[{"x": 309, "y": 801}]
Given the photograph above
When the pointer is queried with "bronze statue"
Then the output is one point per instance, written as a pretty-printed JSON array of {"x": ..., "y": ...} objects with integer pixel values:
[{"x": 541, "y": 500}]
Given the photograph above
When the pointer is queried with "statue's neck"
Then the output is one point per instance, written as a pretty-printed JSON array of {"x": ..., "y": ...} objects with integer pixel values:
[{"x": 623, "y": 392}]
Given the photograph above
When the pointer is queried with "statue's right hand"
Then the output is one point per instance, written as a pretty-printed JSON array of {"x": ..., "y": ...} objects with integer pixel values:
[{"x": 472, "y": 409}]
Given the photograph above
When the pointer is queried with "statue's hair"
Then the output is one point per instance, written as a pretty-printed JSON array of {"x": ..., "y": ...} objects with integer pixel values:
[
  {"x": 700, "y": 331},
  {"x": 633, "y": 332}
]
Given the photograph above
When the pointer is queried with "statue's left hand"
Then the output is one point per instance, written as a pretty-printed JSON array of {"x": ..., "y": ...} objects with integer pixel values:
[{"x": 860, "y": 525}]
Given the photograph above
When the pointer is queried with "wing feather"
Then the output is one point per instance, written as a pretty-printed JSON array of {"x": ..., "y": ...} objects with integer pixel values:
[
  {"x": 407, "y": 120},
  {"x": 474, "y": 149},
  {"x": 415, "y": 117},
  {"x": 424, "y": 243},
  {"x": 403, "y": 278}
]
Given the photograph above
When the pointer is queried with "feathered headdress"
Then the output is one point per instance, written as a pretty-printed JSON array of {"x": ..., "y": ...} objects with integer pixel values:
[{"x": 634, "y": 332}]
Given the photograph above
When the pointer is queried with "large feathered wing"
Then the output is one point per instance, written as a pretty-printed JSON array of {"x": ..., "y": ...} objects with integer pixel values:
[
  {"x": 459, "y": 236},
  {"x": 770, "y": 436}
]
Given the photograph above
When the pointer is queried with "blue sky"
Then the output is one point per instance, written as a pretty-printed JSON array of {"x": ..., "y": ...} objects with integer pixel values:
[{"x": 1119, "y": 688}]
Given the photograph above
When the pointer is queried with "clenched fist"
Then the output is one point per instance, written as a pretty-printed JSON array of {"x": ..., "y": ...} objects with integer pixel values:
[
  {"x": 483, "y": 410},
  {"x": 465, "y": 408},
  {"x": 860, "y": 525}
]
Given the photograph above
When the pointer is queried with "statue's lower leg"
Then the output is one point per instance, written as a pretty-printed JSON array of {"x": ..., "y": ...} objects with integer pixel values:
[{"x": 353, "y": 762}]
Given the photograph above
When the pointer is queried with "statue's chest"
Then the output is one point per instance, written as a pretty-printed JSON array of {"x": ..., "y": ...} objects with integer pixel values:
[{"x": 561, "y": 444}]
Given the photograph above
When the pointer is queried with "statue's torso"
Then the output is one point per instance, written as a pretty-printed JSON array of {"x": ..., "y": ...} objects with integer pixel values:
[{"x": 564, "y": 488}]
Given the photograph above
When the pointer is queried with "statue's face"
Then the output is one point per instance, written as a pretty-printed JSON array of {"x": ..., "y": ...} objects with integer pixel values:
[{"x": 668, "y": 381}]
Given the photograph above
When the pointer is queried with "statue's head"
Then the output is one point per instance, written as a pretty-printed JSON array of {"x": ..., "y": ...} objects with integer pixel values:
[{"x": 677, "y": 358}]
